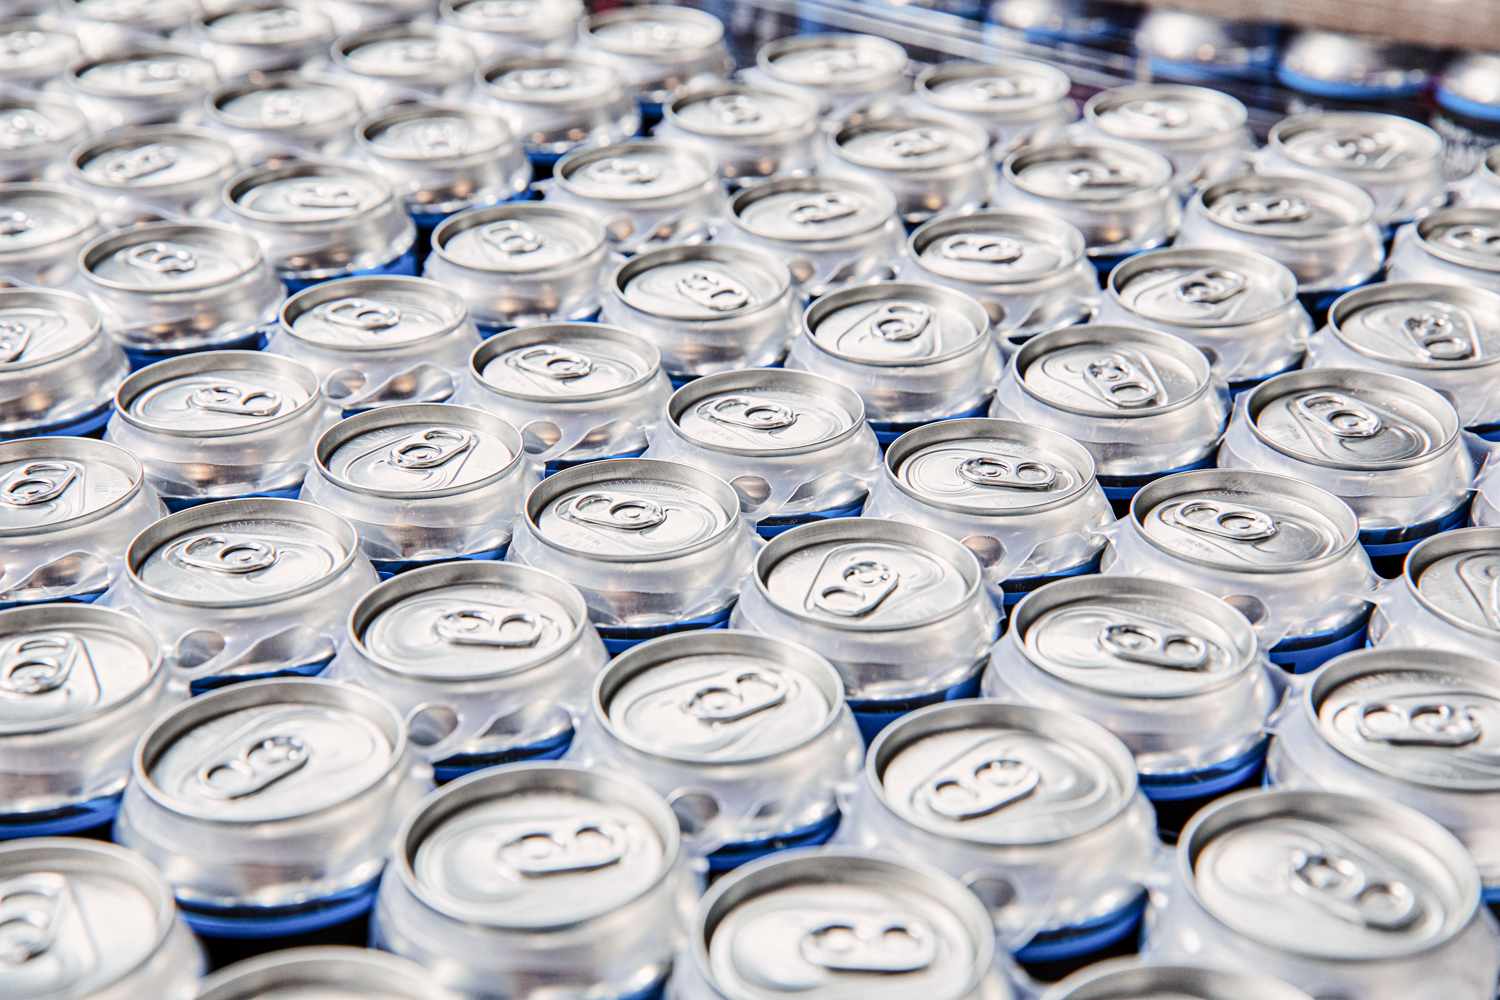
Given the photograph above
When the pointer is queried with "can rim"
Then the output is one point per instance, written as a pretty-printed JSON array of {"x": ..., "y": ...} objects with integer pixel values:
[
  {"x": 879, "y": 196},
  {"x": 1288, "y": 127},
  {"x": 84, "y": 216},
  {"x": 77, "y": 79},
  {"x": 1068, "y": 336},
  {"x": 1429, "y": 551},
  {"x": 814, "y": 385},
  {"x": 82, "y": 308},
  {"x": 60, "y": 447},
  {"x": 475, "y": 217},
  {"x": 613, "y": 88},
  {"x": 585, "y": 154},
  {"x": 1157, "y": 182},
  {"x": 893, "y": 122},
  {"x": 1423, "y": 228},
  {"x": 203, "y": 23},
  {"x": 343, "y": 966},
  {"x": 296, "y": 305},
  {"x": 785, "y": 132},
  {"x": 345, "y": 45},
  {"x": 588, "y": 31},
  {"x": 202, "y": 139},
  {"x": 49, "y": 109},
  {"x": 565, "y": 13},
  {"x": 1123, "y": 272},
  {"x": 253, "y": 177},
  {"x": 226, "y": 236},
  {"x": 769, "y": 53},
  {"x": 162, "y": 371},
  {"x": 1067, "y": 235},
  {"x": 939, "y": 295},
  {"x": 1057, "y": 87},
  {"x": 722, "y": 252},
  {"x": 1394, "y": 291},
  {"x": 278, "y": 82},
  {"x": 1097, "y": 107},
  {"x": 504, "y": 139},
  {"x": 1355, "y": 197},
  {"x": 488, "y": 350}
]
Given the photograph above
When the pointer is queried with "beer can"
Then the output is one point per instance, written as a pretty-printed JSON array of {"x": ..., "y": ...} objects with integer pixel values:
[
  {"x": 1202, "y": 132},
  {"x": 1238, "y": 307},
  {"x": 422, "y": 483},
  {"x": 1038, "y": 811},
  {"x": 521, "y": 263},
  {"x": 1118, "y": 195},
  {"x": 260, "y": 36},
  {"x": 1446, "y": 337},
  {"x": 1335, "y": 894},
  {"x": 35, "y": 53},
  {"x": 794, "y": 446},
  {"x": 360, "y": 15},
  {"x": 831, "y": 232},
  {"x": 648, "y": 193},
  {"x": 655, "y": 547},
  {"x": 42, "y": 229},
  {"x": 752, "y": 134},
  {"x": 1029, "y": 272},
  {"x": 901, "y": 611},
  {"x": 168, "y": 288},
  {"x": 1132, "y": 979},
  {"x": 138, "y": 87},
  {"x": 244, "y": 590},
  {"x": 320, "y": 220},
  {"x": 583, "y": 889},
  {"x": 1022, "y": 498},
  {"x": 1049, "y": 22},
  {"x": 329, "y": 973},
  {"x": 659, "y": 49},
  {"x": 221, "y": 424},
  {"x": 58, "y": 369},
  {"x": 80, "y": 685},
  {"x": 67, "y": 504},
  {"x": 1018, "y": 101},
  {"x": 1456, "y": 246},
  {"x": 104, "y": 26},
  {"x": 1352, "y": 69},
  {"x": 707, "y": 308},
  {"x": 1444, "y": 598},
  {"x": 152, "y": 173},
  {"x": 1468, "y": 119},
  {"x": 558, "y": 103},
  {"x": 1284, "y": 553},
  {"x": 1466, "y": 87},
  {"x": 283, "y": 118},
  {"x": 747, "y": 738},
  {"x": 914, "y": 353},
  {"x": 1388, "y": 446},
  {"x": 1197, "y": 48},
  {"x": 396, "y": 63},
  {"x": 931, "y": 164},
  {"x": 577, "y": 392},
  {"x": 35, "y": 136},
  {"x": 498, "y": 28},
  {"x": 842, "y": 73},
  {"x": 845, "y": 923},
  {"x": 65, "y": 897},
  {"x": 1481, "y": 189},
  {"x": 271, "y": 806},
  {"x": 1396, "y": 161}
]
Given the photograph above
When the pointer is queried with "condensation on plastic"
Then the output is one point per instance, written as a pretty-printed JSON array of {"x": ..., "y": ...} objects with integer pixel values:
[
  {"x": 1477, "y": 400},
  {"x": 86, "y": 559},
  {"x": 910, "y": 394}
]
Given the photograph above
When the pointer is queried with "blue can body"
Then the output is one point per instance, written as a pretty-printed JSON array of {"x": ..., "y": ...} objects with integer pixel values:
[
  {"x": 459, "y": 765},
  {"x": 405, "y": 264},
  {"x": 773, "y": 526},
  {"x": 175, "y": 504},
  {"x": 253, "y": 341},
  {"x": 617, "y": 639},
  {"x": 254, "y": 923},
  {"x": 885, "y": 432}
]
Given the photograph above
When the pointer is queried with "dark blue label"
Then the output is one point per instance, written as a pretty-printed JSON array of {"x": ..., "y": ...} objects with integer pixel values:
[
  {"x": 1467, "y": 107},
  {"x": 1017, "y": 587},
  {"x": 1245, "y": 385},
  {"x": 1066, "y": 943},
  {"x": 1196, "y": 72},
  {"x": 885, "y": 432},
  {"x": 617, "y": 640},
  {"x": 203, "y": 685},
  {"x": 773, "y": 526},
  {"x": 873, "y": 715},
  {"x": 405, "y": 264},
  {"x": 457, "y": 766},
  {"x": 175, "y": 504},
  {"x": 388, "y": 568},
  {"x": 257, "y": 922},
  {"x": 1207, "y": 782},
  {"x": 82, "y": 817},
  {"x": 139, "y": 357},
  {"x": 731, "y": 856},
  {"x": 1304, "y": 653},
  {"x": 90, "y": 424}
]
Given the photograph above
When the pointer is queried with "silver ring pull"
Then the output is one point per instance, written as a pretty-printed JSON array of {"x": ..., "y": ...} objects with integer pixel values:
[
  {"x": 1124, "y": 382},
  {"x": 1340, "y": 886},
  {"x": 1375, "y": 150},
  {"x": 552, "y": 362},
  {"x": 999, "y": 473},
  {"x": 38, "y": 482},
  {"x": 999, "y": 89},
  {"x": 736, "y": 109},
  {"x": 718, "y": 292},
  {"x": 736, "y": 695},
  {"x": 900, "y": 321},
  {"x": 1342, "y": 416},
  {"x": 512, "y": 237},
  {"x": 246, "y": 766},
  {"x": 606, "y": 510},
  {"x": 279, "y": 107},
  {"x": 1210, "y": 286},
  {"x": 152, "y": 72},
  {"x": 564, "y": 846},
  {"x": 236, "y": 398},
  {"x": 39, "y": 664},
  {"x": 1442, "y": 336},
  {"x": 222, "y": 554},
  {"x": 1480, "y": 575},
  {"x": 1083, "y": 176},
  {"x": 545, "y": 78},
  {"x": 1270, "y": 210},
  {"x": 979, "y": 785},
  {"x": 820, "y": 208},
  {"x": 441, "y": 138},
  {"x": 162, "y": 258},
  {"x": 503, "y": 628},
  {"x": 749, "y": 413},
  {"x": 869, "y": 944},
  {"x": 1159, "y": 114},
  {"x": 1235, "y": 523},
  {"x": 1423, "y": 724},
  {"x": 625, "y": 170},
  {"x": 976, "y": 249},
  {"x": 14, "y": 222},
  {"x": 430, "y": 448},
  {"x": 361, "y": 314},
  {"x": 22, "y": 127},
  {"x": 1148, "y": 645},
  {"x": 149, "y": 159}
]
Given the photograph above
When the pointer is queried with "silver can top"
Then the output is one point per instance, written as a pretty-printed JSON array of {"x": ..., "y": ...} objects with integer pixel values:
[
  {"x": 370, "y": 315},
  {"x": 301, "y": 193},
  {"x": 36, "y": 217},
  {"x": 418, "y": 451},
  {"x": 167, "y": 257},
  {"x": 845, "y": 63},
  {"x": 1355, "y": 145},
  {"x": 996, "y": 248},
  {"x": 143, "y": 75},
  {"x": 1165, "y": 115},
  {"x": 151, "y": 15},
  {"x": 812, "y": 210},
  {"x": 404, "y": 54},
  {"x": 323, "y": 974},
  {"x": 557, "y": 80},
  {"x": 262, "y": 24},
  {"x": 902, "y": 143},
  {"x": 765, "y": 412},
  {"x": 1111, "y": 372},
  {"x": 55, "y": 484},
  {"x": 658, "y": 32},
  {"x": 1420, "y": 326},
  {"x": 1097, "y": 172},
  {"x": 217, "y": 393},
  {"x": 518, "y": 238},
  {"x": 425, "y": 135},
  {"x": 1132, "y": 979},
  {"x": 42, "y": 325},
  {"x": 565, "y": 362},
  {"x": 1468, "y": 237},
  {"x": 32, "y": 128},
  {"x": 137, "y": 161},
  {"x": 1285, "y": 207},
  {"x": 34, "y": 52},
  {"x": 896, "y": 324},
  {"x": 735, "y": 112},
  {"x": 696, "y": 284},
  {"x": 642, "y": 170},
  {"x": 1357, "y": 61},
  {"x": 1202, "y": 288},
  {"x": 1456, "y": 576},
  {"x": 284, "y": 104},
  {"x": 1013, "y": 89}
]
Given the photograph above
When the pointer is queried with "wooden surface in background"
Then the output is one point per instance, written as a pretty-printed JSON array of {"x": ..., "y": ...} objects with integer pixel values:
[{"x": 1462, "y": 24}]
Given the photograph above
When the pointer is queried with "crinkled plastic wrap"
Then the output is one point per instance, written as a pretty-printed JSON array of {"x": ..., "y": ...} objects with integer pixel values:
[
  {"x": 903, "y": 394},
  {"x": 1475, "y": 396},
  {"x": 77, "y": 561},
  {"x": 364, "y": 379}
]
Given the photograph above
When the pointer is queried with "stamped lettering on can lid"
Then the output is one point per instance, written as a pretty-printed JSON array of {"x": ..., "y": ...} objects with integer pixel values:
[
  {"x": 813, "y": 210},
  {"x": 1246, "y": 524},
  {"x": 147, "y": 74},
  {"x": 309, "y": 193},
  {"x": 50, "y": 483},
  {"x": 1352, "y": 423},
  {"x": 642, "y": 516}
]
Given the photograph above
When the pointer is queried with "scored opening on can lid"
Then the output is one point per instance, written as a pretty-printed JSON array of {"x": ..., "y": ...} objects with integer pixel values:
[
  {"x": 137, "y": 161},
  {"x": 1468, "y": 237},
  {"x": 41, "y": 216},
  {"x": 701, "y": 284},
  {"x": 373, "y": 314},
  {"x": 169, "y": 257},
  {"x": 996, "y": 248},
  {"x": 41, "y": 325},
  {"x": 564, "y": 362},
  {"x": 734, "y": 111},
  {"x": 638, "y": 171},
  {"x": 431, "y": 135},
  {"x": 810, "y": 211},
  {"x": 1357, "y": 143},
  {"x": 844, "y": 62},
  {"x": 1111, "y": 372},
  {"x": 524, "y": 239},
  {"x": 1167, "y": 114},
  {"x": 907, "y": 143},
  {"x": 1087, "y": 171},
  {"x": 306, "y": 193},
  {"x": 1202, "y": 288},
  {"x": 1286, "y": 206},
  {"x": 1015, "y": 88}
]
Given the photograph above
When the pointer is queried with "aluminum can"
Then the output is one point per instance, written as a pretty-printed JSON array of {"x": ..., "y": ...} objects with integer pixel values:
[
  {"x": 260, "y": 36},
  {"x": 899, "y": 610},
  {"x": 1018, "y": 102},
  {"x": 1038, "y": 811},
  {"x": 1238, "y": 307},
  {"x": 655, "y": 547},
  {"x": 1455, "y": 246},
  {"x": 1048, "y": 22},
  {"x": 1145, "y": 404},
  {"x": 138, "y": 87},
  {"x": 283, "y": 118},
  {"x": 328, "y": 973},
  {"x": 847, "y": 923},
  {"x": 169, "y": 288},
  {"x": 1022, "y": 498},
  {"x": 1467, "y": 117},
  {"x": 707, "y": 309},
  {"x": 914, "y": 353},
  {"x": 1329, "y": 66},
  {"x": 244, "y": 590},
  {"x": 1029, "y": 272},
  {"x": 659, "y": 49},
  {"x": 830, "y": 232},
  {"x": 1446, "y": 337},
  {"x": 35, "y": 53},
  {"x": 752, "y": 134},
  {"x": 66, "y": 506},
  {"x": 489, "y": 663},
  {"x": 81, "y": 684},
  {"x": 931, "y": 164},
  {"x": 104, "y": 26},
  {"x": 395, "y": 63},
  {"x": 35, "y": 136},
  {"x": 378, "y": 341},
  {"x": 1322, "y": 229},
  {"x": 422, "y": 483},
  {"x": 1202, "y": 132},
  {"x": 584, "y": 891},
  {"x": 360, "y": 15},
  {"x": 42, "y": 229},
  {"x": 1339, "y": 895},
  {"x": 648, "y": 193},
  {"x": 1467, "y": 87},
  {"x": 498, "y": 28},
  {"x": 66, "y": 896},
  {"x": 747, "y": 738},
  {"x": 1185, "y": 45},
  {"x": 58, "y": 369},
  {"x": 1388, "y": 446},
  {"x": 321, "y": 220},
  {"x": 577, "y": 392},
  {"x": 271, "y": 806},
  {"x": 559, "y": 103},
  {"x": 221, "y": 424},
  {"x": 841, "y": 72},
  {"x": 152, "y": 173},
  {"x": 1131, "y": 979},
  {"x": 794, "y": 446},
  {"x": 521, "y": 263},
  {"x": 1445, "y": 598},
  {"x": 1118, "y": 195},
  {"x": 1396, "y": 161},
  {"x": 1481, "y": 189}
]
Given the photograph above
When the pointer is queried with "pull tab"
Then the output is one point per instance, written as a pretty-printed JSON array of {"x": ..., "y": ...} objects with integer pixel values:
[
  {"x": 980, "y": 785},
  {"x": 553, "y": 362},
  {"x": 1340, "y": 886},
  {"x": 33, "y": 909},
  {"x": 889, "y": 945},
  {"x": 430, "y": 448},
  {"x": 505, "y": 628},
  {"x": 900, "y": 321},
  {"x": 1083, "y": 176},
  {"x": 1207, "y": 517},
  {"x": 1270, "y": 210},
  {"x": 512, "y": 237},
  {"x": 1025, "y": 474},
  {"x": 1480, "y": 575},
  {"x": 821, "y": 208},
  {"x": 735, "y": 695},
  {"x": 1159, "y": 114},
  {"x": 15, "y": 337},
  {"x": 1365, "y": 149},
  {"x": 1424, "y": 724},
  {"x": 1441, "y": 336},
  {"x": 1473, "y": 238},
  {"x": 236, "y": 399},
  {"x": 1210, "y": 286},
  {"x": 361, "y": 314},
  {"x": 978, "y": 249},
  {"x": 137, "y": 163},
  {"x": 220, "y": 554},
  {"x": 1139, "y": 642},
  {"x": 860, "y": 588},
  {"x": 38, "y": 482},
  {"x": 545, "y": 78},
  {"x": 1124, "y": 382},
  {"x": 1337, "y": 414},
  {"x": 162, "y": 258},
  {"x": 718, "y": 292},
  {"x": 325, "y": 195},
  {"x": 564, "y": 847},
  {"x": 736, "y": 110},
  {"x": 625, "y": 170},
  {"x": 15, "y": 222},
  {"x": 752, "y": 414},
  {"x": 915, "y": 142},
  {"x": 621, "y": 513},
  {"x": 38, "y": 664},
  {"x": 246, "y": 767}
]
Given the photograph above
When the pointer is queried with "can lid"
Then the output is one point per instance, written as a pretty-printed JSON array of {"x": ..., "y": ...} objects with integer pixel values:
[
  {"x": 217, "y": 393},
  {"x": 803, "y": 210},
  {"x": 1111, "y": 372},
  {"x": 732, "y": 111},
  {"x": 1358, "y": 143},
  {"x": 537, "y": 846},
  {"x": 35, "y": 216},
  {"x": 654, "y": 31},
  {"x": 989, "y": 467},
  {"x": 1013, "y": 87},
  {"x": 1202, "y": 288},
  {"x": 518, "y": 238},
  {"x": 565, "y": 362},
  {"x": 373, "y": 314},
  {"x": 513, "y": 17},
  {"x": 418, "y": 451},
  {"x": 1087, "y": 171},
  {"x": 996, "y": 248},
  {"x": 66, "y": 896},
  {"x": 896, "y": 324},
  {"x": 326, "y": 973},
  {"x": 50, "y": 484},
  {"x": 701, "y": 284},
  {"x": 28, "y": 125},
  {"x": 639, "y": 170},
  {"x": 401, "y": 52},
  {"x": 1469, "y": 237},
  {"x": 425, "y": 134},
  {"x": 136, "y": 160},
  {"x": 1164, "y": 113},
  {"x": 268, "y": 24},
  {"x": 145, "y": 75},
  {"x": 306, "y": 192},
  {"x": 63, "y": 664},
  {"x": 1132, "y": 979},
  {"x": 38, "y": 325},
  {"x": 551, "y": 79},
  {"x": 844, "y": 62},
  {"x": 1327, "y": 876},
  {"x": 999, "y": 774},
  {"x": 30, "y": 48},
  {"x": 1351, "y": 419},
  {"x": 1456, "y": 575},
  {"x": 1281, "y": 206},
  {"x": 765, "y": 411},
  {"x": 1420, "y": 326},
  {"x": 283, "y": 104},
  {"x": 908, "y": 143}
]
